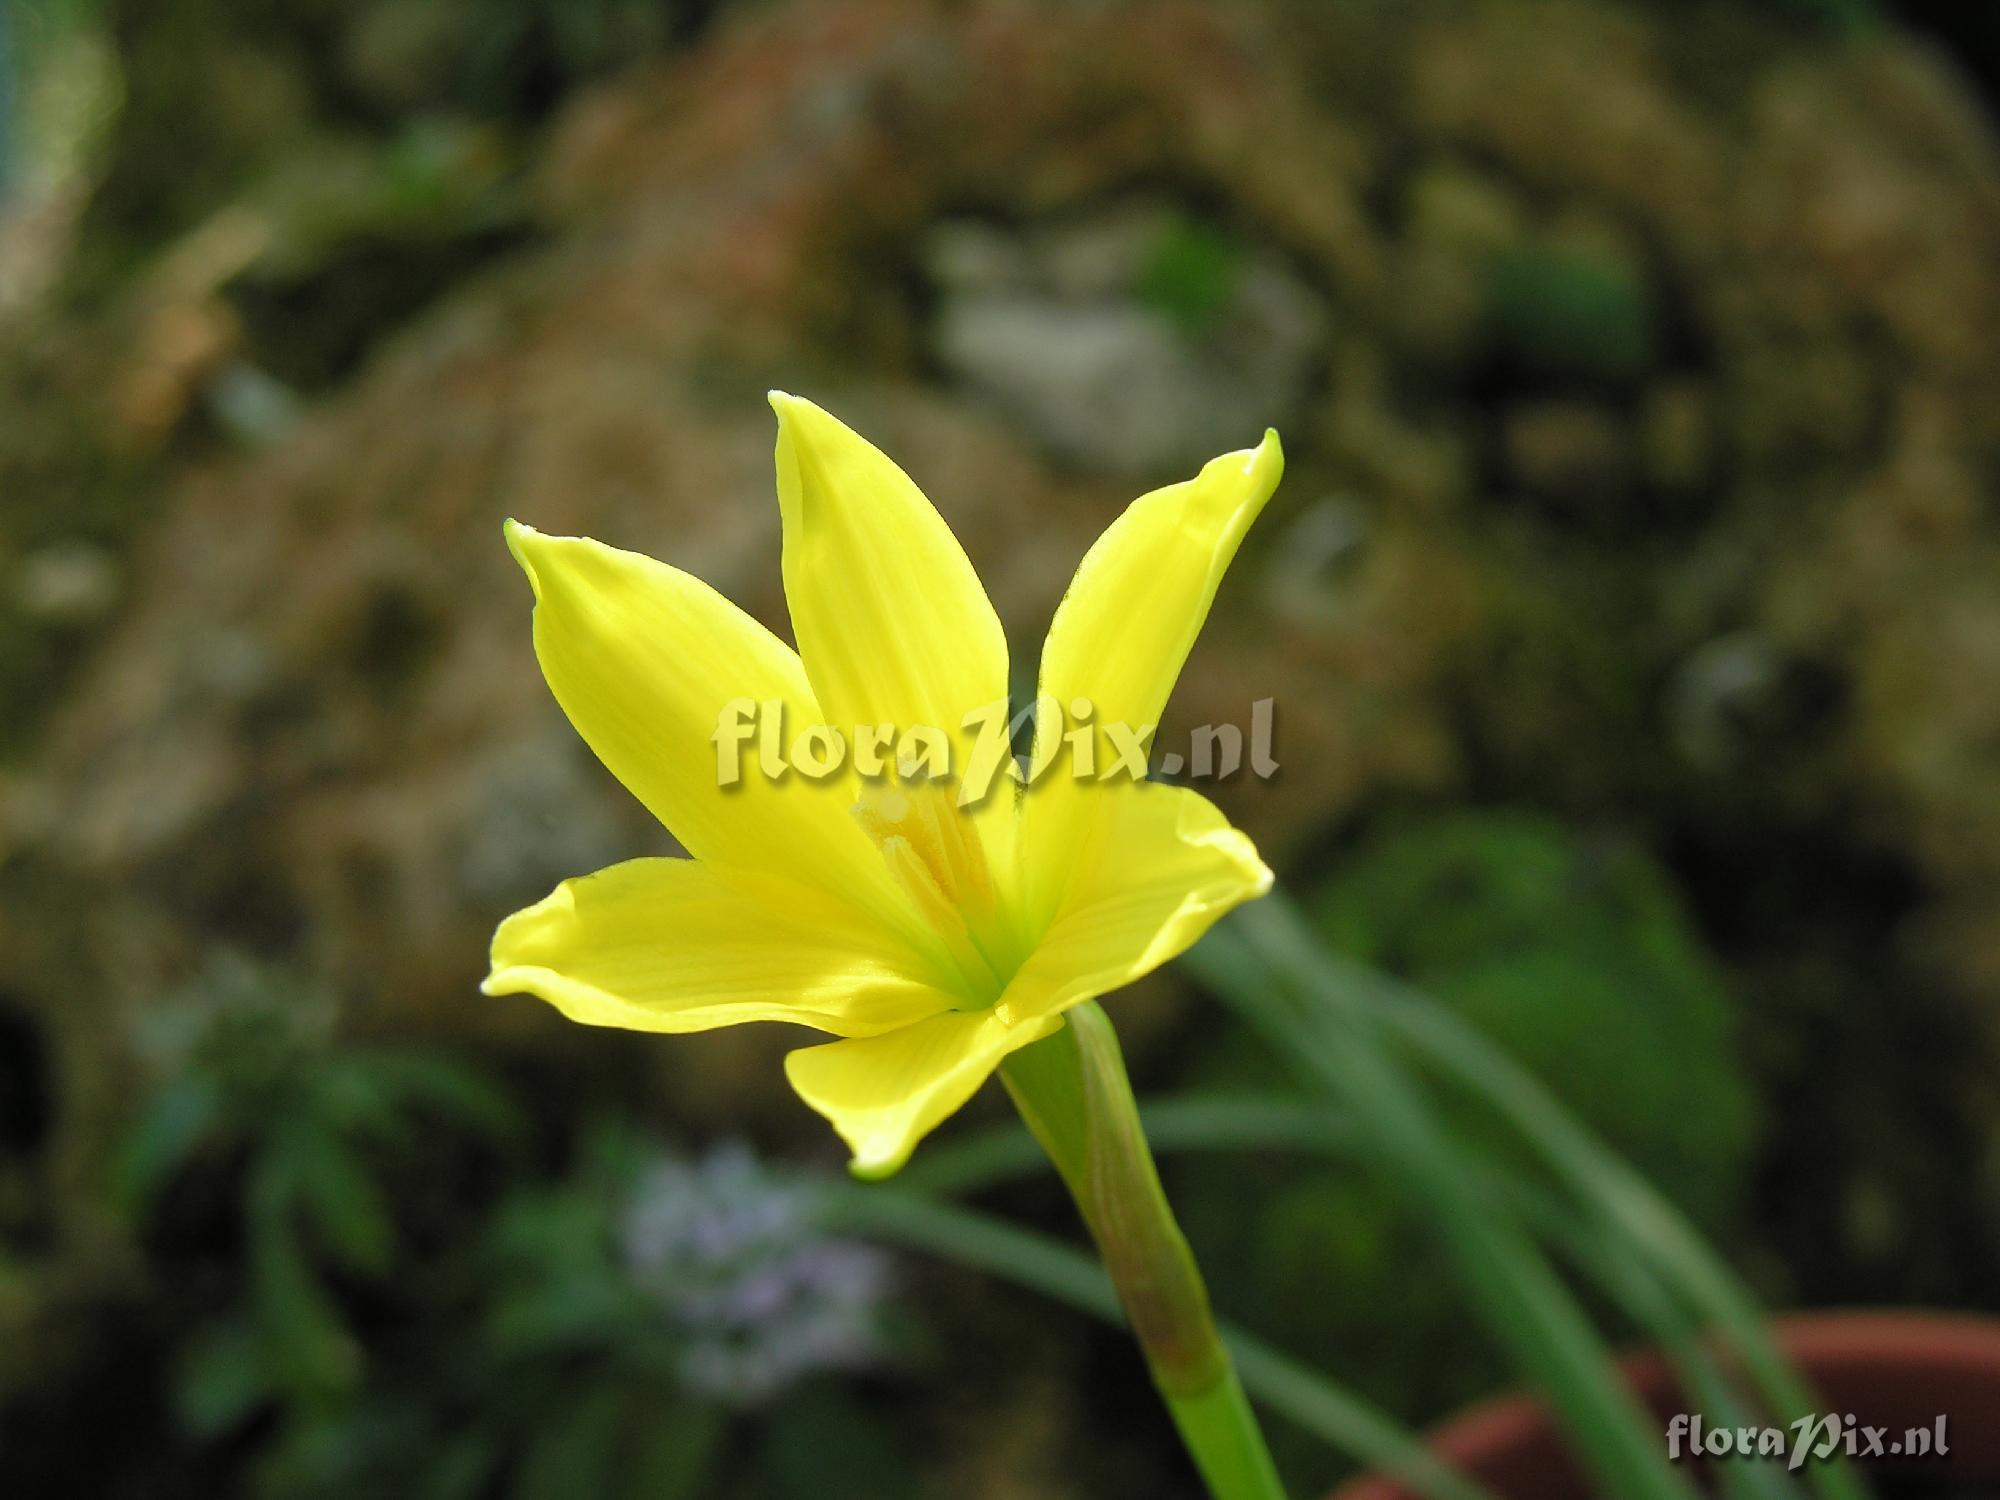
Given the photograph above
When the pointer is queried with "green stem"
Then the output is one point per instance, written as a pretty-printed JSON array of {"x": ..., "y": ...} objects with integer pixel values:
[
  {"x": 1223, "y": 1437},
  {"x": 1073, "y": 1092}
]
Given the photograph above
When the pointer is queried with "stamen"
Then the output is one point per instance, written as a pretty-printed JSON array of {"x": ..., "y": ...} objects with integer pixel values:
[{"x": 934, "y": 851}]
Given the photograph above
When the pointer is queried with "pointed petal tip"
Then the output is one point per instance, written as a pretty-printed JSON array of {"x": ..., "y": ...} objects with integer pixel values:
[
  {"x": 520, "y": 537},
  {"x": 1268, "y": 453},
  {"x": 877, "y": 1169},
  {"x": 1263, "y": 466},
  {"x": 802, "y": 421},
  {"x": 872, "y": 1160},
  {"x": 795, "y": 415}
]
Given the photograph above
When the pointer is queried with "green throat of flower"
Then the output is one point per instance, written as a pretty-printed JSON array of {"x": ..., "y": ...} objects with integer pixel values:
[{"x": 935, "y": 853}]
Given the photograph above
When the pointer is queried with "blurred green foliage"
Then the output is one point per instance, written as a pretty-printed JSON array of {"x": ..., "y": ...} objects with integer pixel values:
[
  {"x": 515, "y": 55},
  {"x": 305, "y": 1134},
  {"x": 50, "y": 446},
  {"x": 370, "y": 1286},
  {"x": 218, "y": 94},
  {"x": 1574, "y": 954},
  {"x": 7, "y": 105},
  {"x": 1565, "y": 315},
  {"x": 1190, "y": 275},
  {"x": 544, "y": 1371},
  {"x": 1836, "y": 15}
]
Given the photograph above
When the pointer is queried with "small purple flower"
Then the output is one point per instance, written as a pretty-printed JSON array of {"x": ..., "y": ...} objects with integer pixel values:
[{"x": 732, "y": 1255}]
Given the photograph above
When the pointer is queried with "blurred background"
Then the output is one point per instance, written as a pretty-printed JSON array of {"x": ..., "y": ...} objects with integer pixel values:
[{"x": 1631, "y": 608}]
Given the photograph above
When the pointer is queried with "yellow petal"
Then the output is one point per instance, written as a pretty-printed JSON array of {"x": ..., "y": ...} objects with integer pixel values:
[
  {"x": 677, "y": 945},
  {"x": 890, "y": 618},
  {"x": 1161, "y": 865},
  {"x": 644, "y": 659},
  {"x": 885, "y": 1093},
  {"x": 1124, "y": 629},
  {"x": 1142, "y": 592}
]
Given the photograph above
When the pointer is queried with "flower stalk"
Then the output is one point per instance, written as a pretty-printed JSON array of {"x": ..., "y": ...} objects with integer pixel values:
[{"x": 1072, "y": 1090}]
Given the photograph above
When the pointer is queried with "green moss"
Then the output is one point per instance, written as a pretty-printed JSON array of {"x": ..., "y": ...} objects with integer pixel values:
[
  {"x": 1190, "y": 276},
  {"x": 1565, "y": 315}
]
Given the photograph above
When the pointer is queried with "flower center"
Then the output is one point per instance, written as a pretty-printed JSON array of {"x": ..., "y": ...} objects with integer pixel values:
[{"x": 935, "y": 854}]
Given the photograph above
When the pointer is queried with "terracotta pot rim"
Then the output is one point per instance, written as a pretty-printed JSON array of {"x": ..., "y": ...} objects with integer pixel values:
[{"x": 1886, "y": 1364}]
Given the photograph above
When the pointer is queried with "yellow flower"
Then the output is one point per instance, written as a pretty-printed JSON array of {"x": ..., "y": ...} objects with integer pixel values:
[{"x": 934, "y": 939}]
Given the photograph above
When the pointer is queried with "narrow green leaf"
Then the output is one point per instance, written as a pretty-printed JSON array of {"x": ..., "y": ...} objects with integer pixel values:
[
  {"x": 340, "y": 1200},
  {"x": 1625, "y": 1204},
  {"x": 450, "y": 1088},
  {"x": 1322, "y": 1407},
  {"x": 677, "y": 1451},
  {"x": 167, "y": 1134},
  {"x": 309, "y": 1345},
  {"x": 1002, "y": 1153},
  {"x": 1282, "y": 989},
  {"x": 220, "y": 1380},
  {"x": 574, "y": 1448},
  {"x": 823, "y": 1445}
]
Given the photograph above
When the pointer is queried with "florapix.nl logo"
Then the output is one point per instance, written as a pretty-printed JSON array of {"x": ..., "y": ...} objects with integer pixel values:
[
  {"x": 754, "y": 738},
  {"x": 1810, "y": 1439}
]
